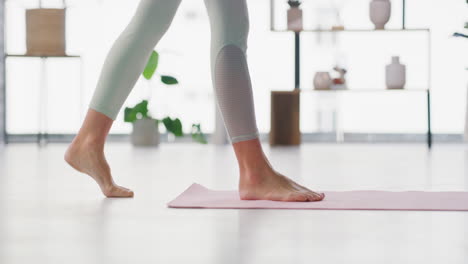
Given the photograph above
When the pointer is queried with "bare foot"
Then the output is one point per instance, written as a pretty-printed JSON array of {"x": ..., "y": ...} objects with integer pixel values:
[
  {"x": 267, "y": 184},
  {"x": 89, "y": 158}
]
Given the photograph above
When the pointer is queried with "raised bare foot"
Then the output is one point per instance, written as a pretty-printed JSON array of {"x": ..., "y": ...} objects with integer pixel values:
[
  {"x": 267, "y": 184},
  {"x": 89, "y": 158}
]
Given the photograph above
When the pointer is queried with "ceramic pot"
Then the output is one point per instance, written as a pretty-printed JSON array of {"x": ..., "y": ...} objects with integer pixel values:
[
  {"x": 45, "y": 32},
  {"x": 295, "y": 19},
  {"x": 379, "y": 12},
  {"x": 145, "y": 132},
  {"x": 395, "y": 74},
  {"x": 322, "y": 81}
]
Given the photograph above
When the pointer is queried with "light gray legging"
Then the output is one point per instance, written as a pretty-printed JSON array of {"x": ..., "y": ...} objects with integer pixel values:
[{"x": 230, "y": 75}]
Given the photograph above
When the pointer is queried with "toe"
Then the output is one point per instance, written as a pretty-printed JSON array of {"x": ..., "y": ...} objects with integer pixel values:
[
  {"x": 117, "y": 191},
  {"x": 126, "y": 189},
  {"x": 124, "y": 192},
  {"x": 297, "y": 197},
  {"x": 129, "y": 193},
  {"x": 319, "y": 196},
  {"x": 311, "y": 197},
  {"x": 315, "y": 197},
  {"x": 302, "y": 188}
]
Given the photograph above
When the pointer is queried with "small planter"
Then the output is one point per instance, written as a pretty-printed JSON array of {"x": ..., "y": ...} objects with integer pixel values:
[
  {"x": 145, "y": 132},
  {"x": 45, "y": 32}
]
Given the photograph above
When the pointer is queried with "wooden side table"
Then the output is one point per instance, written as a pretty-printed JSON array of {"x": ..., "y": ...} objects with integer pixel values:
[{"x": 285, "y": 118}]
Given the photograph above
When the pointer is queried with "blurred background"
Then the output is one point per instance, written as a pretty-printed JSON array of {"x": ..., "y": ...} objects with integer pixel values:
[{"x": 434, "y": 60}]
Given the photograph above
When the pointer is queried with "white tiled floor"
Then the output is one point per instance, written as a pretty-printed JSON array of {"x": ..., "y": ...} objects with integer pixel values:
[{"x": 51, "y": 214}]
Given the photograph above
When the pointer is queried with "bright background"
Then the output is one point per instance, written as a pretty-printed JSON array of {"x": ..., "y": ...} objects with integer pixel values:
[{"x": 93, "y": 25}]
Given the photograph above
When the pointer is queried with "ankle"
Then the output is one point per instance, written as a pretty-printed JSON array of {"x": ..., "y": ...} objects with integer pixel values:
[
  {"x": 254, "y": 165},
  {"x": 88, "y": 141},
  {"x": 250, "y": 155},
  {"x": 94, "y": 130},
  {"x": 254, "y": 172}
]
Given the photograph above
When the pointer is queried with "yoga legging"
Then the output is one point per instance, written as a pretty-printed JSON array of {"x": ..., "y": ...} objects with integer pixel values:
[{"x": 230, "y": 75}]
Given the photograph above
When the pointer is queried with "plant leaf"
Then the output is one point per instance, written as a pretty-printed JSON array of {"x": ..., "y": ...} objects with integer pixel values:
[
  {"x": 131, "y": 113},
  {"x": 169, "y": 80},
  {"x": 178, "y": 128},
  {"x": 173, "y": 126},
  {"x": 197, "y": 134},
  {"x": 167, "y": 121},
  {"x": 151, "y": 66}
]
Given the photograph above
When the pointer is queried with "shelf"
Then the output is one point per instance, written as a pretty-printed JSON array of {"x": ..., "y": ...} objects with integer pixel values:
[
  {"x": 366, "y": 90},
  {"x": 369, "y": 30},
  {"x": 42, "y": 56}
]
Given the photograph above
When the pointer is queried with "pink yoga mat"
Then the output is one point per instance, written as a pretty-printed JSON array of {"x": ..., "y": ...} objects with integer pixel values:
[{"x": 197, "y": 196}]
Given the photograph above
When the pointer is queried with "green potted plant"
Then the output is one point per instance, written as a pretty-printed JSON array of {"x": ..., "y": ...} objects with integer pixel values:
[{"x": 145, "y": 127}]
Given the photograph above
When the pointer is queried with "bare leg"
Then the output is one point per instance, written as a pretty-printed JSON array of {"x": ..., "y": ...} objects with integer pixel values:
[
  {"x": 258, "y": 180},
  {"x": 231, "y": 80},
  {"x": 86, "y": 154},
  {"x": 123, "y": 65}
]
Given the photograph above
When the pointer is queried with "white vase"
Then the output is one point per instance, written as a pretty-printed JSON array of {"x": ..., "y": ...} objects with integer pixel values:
[
  {"x": 145, "y": 132},
  {"x": 395, "y": 74},
  {"x": 295, "y": 19},
  {"x": 379, "y": 12},
  {"x": 322, "y": 81}
]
